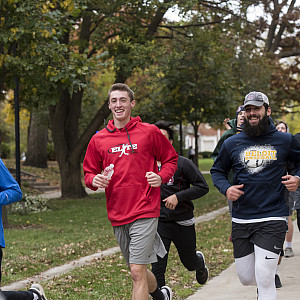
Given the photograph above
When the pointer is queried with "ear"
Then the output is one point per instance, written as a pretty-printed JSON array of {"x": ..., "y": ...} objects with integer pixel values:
[
  {"x": 171, "y": 141},
  {"x": 132, "y": 103},
  {"x": 269, "y": 111}
]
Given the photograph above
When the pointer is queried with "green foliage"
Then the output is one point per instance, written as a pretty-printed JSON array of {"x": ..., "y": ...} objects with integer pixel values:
[
  {"x": 5, "y": 150},
  {"x": 42, "y": 60},
  {"x": 199, "y": 79},
  {"x": 293, "y": 121},
  {"x": 195, "y": 70},
  {"x": 51, "y": 152},
  {"x": 205, "y": 154},
  {"x": 29, "y": 204}
]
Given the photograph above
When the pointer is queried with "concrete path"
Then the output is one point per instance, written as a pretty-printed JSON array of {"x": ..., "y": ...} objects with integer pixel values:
[
  {"x": 227, "y": 286},
  {"x": 57, "y": 193}
]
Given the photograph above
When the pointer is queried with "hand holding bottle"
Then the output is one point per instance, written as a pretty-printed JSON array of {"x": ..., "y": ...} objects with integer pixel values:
[{"x": 101, "y": 181}]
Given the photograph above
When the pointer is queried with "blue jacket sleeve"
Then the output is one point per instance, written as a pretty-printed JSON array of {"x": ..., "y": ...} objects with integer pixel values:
[
  {"x": 9, "y": 189},
  {"x": 220, "y": 170}
]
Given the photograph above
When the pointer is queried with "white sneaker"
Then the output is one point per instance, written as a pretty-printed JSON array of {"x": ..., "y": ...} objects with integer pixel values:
[
  {"x": 167, "y": 292},
  {"x": 37, "y": 289},
  {"x": 288, "y": 252}
]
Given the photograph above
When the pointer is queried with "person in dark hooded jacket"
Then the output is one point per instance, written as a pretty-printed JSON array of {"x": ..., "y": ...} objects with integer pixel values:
[
  {"x": 236, "y": 127},
  {"x": 176, "y": 221}
]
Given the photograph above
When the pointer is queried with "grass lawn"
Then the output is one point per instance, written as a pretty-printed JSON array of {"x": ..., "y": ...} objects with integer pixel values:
[
  {"x": 205, "y": 164},
  {"x": 109, "y": 278},
  {"x": 75, "y": 228}
]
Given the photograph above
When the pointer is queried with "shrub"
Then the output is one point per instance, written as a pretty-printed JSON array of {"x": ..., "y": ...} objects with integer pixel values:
[
  {"x": 29, "y": 204},
  {"x": 51, "y": 152},
  {"x": 5, "y": 151},
  {"x": 205, "y": 154}
]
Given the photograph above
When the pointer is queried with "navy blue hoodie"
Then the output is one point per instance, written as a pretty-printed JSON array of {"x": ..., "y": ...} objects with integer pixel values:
[{"x": 258, "y": 163}]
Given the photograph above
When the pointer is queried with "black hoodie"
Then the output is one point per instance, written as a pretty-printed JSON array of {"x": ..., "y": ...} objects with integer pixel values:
[{"x": 187, "y": 174}]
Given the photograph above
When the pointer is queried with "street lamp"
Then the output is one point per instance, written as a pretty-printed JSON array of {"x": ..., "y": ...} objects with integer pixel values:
[{"x": 17, "y": 123}]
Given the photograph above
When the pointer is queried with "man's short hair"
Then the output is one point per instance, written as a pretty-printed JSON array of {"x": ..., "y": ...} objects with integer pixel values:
[
  {"x": 256, "y": 99},
  {"x": 166, "y": 125},
  {"x": 121, "y": 87}
]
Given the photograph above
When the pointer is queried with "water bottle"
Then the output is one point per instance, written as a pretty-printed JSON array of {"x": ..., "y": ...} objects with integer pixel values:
[{"x": 108, "y": 171}]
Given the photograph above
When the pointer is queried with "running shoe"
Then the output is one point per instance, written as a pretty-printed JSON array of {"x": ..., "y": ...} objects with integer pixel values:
[
  {"x": 38, "y": 290},
  {"x": 288, "y": 252},
  {"x": 167, "y": 292},
  {"x": 277, "y": 282},
  {"x": 202, "y": 273}
]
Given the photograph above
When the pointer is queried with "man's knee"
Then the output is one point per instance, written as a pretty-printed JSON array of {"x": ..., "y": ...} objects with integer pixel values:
[
  {"x": 265, "y": 277},
  {"x": 245, "y": 268},
  {"x": 138, "y": 272},
  {"x": 245, "y": 279}
]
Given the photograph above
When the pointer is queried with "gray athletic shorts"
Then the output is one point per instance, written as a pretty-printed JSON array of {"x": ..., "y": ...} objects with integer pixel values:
[{"x": 140, "y": 242}]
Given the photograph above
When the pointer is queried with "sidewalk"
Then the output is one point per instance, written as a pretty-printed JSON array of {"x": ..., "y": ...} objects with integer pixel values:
[
  {"x": 57, "y": 193},
  {"x": 227, "y": 285}
]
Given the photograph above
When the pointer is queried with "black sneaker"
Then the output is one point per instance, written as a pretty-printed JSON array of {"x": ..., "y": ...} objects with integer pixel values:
[
  {"x": 202, "y": 274},
  {"x": 277, "y": 282},
  {"x": 38, "y": 290},
  {"x": 167, "y": 292}
]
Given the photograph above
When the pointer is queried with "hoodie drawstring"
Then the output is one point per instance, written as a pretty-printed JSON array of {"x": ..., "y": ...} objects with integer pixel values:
[
  {"x": 132, "y": 151},
  {"x": 111, "y": 131}
]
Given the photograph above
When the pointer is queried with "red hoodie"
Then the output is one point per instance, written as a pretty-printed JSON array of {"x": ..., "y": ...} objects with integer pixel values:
[{"x": 134, "y": 150}]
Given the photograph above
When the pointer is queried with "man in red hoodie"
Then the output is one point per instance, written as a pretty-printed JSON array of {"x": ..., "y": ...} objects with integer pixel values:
[{"x": 133, "y": 191}]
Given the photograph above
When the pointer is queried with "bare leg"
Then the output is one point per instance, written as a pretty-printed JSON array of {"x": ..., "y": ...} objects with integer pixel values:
[
  {"x": 289, "y": 234},
  {"x": 140, "y": 282}
]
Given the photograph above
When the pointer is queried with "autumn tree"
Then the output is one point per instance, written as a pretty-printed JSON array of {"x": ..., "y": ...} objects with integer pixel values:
[{"x": 62, "y": 45}]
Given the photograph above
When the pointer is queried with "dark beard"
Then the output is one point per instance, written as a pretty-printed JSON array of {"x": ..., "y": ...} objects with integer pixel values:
[{"x": 257, "y": 130}]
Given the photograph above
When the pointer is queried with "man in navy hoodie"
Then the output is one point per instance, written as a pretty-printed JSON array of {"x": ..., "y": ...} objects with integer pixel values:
[{"x": 258, "y": 157}]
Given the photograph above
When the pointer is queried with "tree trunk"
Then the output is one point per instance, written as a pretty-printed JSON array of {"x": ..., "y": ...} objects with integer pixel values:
[
  {"x": 65, "y": 114},
  {"x": 71, "y": 185},
  {"x": 64, "y": 117},
  {"x": 36, "y": 155}
]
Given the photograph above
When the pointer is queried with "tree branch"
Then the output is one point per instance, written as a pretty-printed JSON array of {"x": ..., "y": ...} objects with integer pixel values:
[{"x": 289, "y": 53}]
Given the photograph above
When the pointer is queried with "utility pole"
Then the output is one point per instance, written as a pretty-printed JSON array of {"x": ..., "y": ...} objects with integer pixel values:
[{"x": 17, "y": 123}]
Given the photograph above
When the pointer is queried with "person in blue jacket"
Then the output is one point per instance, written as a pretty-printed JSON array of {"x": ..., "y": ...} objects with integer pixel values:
[
  {"x": 258, "y": 157},
  {"x": 10, "y": 192},
  {"x": 176, "y": 222}
]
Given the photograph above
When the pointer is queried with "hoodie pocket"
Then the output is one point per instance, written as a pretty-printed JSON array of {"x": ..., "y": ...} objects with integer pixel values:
[
  {"x": 260, "y": 196},
  {"x": 125, "y": 201}
]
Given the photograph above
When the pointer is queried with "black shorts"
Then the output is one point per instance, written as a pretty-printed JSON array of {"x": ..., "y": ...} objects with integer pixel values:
[{"x": 268, "y": 235}]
